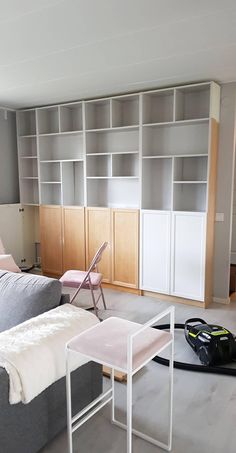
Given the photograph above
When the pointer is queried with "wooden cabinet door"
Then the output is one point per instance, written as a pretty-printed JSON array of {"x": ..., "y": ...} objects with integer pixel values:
[
  {"x": 98, "y": 230},
  {"x": 188, "y": 255},
  {"x": 125, "y": 249},
  {"x": 51, "y": 239},
  {"x": 155, "y": 251},
  {"x": 73, "y": 238}
]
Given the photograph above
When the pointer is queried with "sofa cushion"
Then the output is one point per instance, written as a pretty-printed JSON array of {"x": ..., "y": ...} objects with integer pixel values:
[
  {"x": 7, "y": 263},
  {"x": 23, "y": 296}
]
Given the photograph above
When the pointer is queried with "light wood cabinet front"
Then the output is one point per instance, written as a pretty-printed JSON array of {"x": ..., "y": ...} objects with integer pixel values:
[
  {"x": 98, "y": 230},
  {"x": 125, "y": 248},
  {"x": 73, "y": 238},
  {"x": 51, "y": 239}
]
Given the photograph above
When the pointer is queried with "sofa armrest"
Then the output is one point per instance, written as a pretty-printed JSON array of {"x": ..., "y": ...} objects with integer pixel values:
[{"x": 65, "y": 299}]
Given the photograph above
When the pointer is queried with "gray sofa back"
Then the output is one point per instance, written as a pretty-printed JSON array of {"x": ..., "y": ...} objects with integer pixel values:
[{"x": 23, "y": 296}]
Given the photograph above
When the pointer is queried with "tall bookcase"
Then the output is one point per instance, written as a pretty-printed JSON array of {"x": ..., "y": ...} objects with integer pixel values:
[{"x": 154, "y": 151}]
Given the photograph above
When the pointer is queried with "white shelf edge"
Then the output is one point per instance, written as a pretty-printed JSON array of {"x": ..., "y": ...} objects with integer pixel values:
[
  {"x": 163, "y": 156},
  {"x": 28, "y": 157},
  {"x": 50, "y": 182},
  {"x": 49, "y": 134},
  {"x": 177, "y": 123},
  {"x": 28, "y": 136},
  {"x": 78, "y": 132},
  {"x": 190, "y": 212},
  {"x": 190, "y": 182},
  {"x": 29, "y": 204},
  {"x": 29, "y": 177},
  {"x": 158, "y": 157},
  {"x": 112, "y": 177},
  {"x": 112, "y": 154},
  {"x": 113, "y": 129},
  {"x": 60, "y": 160},
  {"x": 156, "y": 209}
]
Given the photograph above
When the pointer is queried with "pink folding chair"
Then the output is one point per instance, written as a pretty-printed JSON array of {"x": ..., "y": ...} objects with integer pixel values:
[{"x": 87, "y": 279}]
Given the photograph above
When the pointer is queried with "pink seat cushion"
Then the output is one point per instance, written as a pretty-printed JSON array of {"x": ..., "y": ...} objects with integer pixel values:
[
  {"x": 106, "y": 343},
  {"x": 7, "y": 263},
  {"x": 75, "y": 278}
]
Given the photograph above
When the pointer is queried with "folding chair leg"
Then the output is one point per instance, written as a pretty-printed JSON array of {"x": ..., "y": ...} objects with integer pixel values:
[
  {"x": 94, "y": 301},
  {"x": 103, "y": 298}
]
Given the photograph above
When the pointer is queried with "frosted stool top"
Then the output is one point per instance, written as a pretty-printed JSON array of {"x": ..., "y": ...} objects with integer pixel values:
[{"x": 106, "y": 343}]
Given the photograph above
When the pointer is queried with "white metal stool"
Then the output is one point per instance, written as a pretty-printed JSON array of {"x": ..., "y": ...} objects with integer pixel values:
[{"x": 127, "y": 347}]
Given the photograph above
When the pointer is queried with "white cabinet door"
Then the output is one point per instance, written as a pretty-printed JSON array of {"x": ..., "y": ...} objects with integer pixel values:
[
  {"x": 188, "y": 255},
  {"x": 11, "y": 230},
  {"x": 155, "y": 251}
]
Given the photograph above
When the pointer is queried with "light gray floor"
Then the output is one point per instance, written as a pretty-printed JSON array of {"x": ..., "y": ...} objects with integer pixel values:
[{"x": 204, "y": 405}]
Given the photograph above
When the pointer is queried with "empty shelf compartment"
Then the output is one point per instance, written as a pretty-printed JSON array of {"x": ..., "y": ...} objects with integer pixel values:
[
  {"x": 125, "y": 111},
  {"x": 71, "y": 117},
  {"x": 158, "y": 107},
  {"x": 190, "y": 168}
]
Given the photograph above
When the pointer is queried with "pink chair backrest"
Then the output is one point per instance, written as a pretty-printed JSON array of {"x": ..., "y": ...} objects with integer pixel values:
[{"x": 97, "y": 257}]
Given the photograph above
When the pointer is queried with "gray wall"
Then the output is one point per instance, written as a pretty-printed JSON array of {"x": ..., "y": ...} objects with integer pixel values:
[
  {"x": 9, "y": 182},
  {"x": 225, "y": 183}
]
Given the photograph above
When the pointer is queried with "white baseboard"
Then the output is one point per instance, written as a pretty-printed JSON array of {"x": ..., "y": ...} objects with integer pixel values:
[{"x": 218, "y": 300}]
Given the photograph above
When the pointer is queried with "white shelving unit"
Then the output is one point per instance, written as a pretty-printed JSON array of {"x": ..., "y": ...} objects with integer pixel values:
[
  {"x": 154, "y": 144},
  {"x": 152, "y": 151},
  {"x": 179, "y": 145}
]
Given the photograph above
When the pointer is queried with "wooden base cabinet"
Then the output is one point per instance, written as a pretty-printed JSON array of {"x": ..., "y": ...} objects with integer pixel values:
[
  {"x": 51, "y": 240},
  {"x": 98, "y": 230},
  {"x": 73, "y": 221},
  {"x": 62, "y": 231},
  {"x": 120, "y": 228},
  {"x": 125, "y": 247}
]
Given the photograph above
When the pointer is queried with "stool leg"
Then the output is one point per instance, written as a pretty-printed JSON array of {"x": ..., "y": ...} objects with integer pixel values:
[
  {"x": 113, "y": 395},
  {"x": 129, "y": 412},
  {"x": 103, "y": 298},
  {"x": 171, "y": 370},
  {"x": 68, "y": 399}
]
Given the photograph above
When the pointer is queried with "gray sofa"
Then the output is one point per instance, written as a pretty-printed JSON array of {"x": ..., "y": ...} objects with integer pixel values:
[{"x": 26, "y": 428}]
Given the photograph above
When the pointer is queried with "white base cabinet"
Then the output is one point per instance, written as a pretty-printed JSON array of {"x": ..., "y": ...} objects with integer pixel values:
[
  {"x": 155, "y": 251},
  {"x": 188, "y": 255},
  {"x": 173, "y": 253}
]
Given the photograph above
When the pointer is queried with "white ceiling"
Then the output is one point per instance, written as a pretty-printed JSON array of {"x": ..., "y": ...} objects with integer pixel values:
[{"x": 58, "y": 50}]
